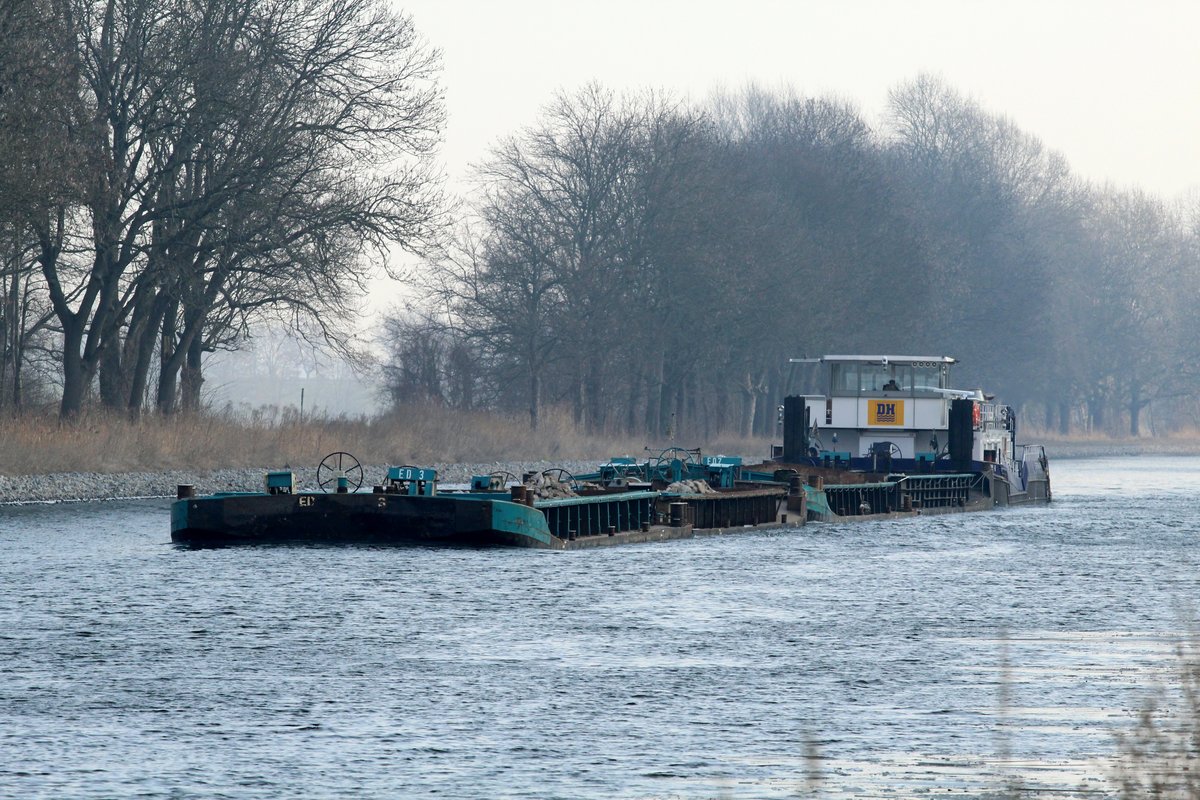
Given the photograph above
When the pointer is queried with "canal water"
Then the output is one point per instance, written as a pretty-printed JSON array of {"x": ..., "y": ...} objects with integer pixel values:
[{"x": 885, "y": 659}]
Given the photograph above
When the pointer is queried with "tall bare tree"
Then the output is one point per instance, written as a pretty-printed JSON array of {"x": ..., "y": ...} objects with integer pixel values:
[
  {"x": 39, "y": 114},
  {"x": 243, "y": 157}
]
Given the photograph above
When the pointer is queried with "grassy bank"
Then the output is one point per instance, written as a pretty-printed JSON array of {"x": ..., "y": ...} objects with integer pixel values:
[{"x": 34, "y": 445}]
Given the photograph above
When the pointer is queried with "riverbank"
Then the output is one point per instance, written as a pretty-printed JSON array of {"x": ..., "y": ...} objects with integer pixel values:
[
  {"x": 1117, "y": 448},
  {"x": 78, "y": 486}
]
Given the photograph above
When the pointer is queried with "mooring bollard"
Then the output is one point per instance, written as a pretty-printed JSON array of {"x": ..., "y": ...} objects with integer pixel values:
[
  {"x": 645, "y": 526},
  {"x": 612, "y": 530},
  {"x": 677, "y": 514},
  {"x": 517, "y": 493},
  {"x": 783, "y": 519},
  {"x": 184, "y": 490},
  {"x": 817, "y": 482}
]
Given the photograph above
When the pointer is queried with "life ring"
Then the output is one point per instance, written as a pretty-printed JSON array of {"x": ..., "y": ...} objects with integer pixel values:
[{"x": 976, "y": 414}]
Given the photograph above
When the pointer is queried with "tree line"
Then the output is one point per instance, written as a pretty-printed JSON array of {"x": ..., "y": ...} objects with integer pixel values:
[
  {"x": 175, "y": 172},
  {"x": 652, "y": 264}
]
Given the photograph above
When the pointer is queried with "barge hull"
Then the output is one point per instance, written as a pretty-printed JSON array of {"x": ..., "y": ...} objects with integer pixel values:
[
  {"x": 354, "y": 519},
  {"x": 472, "y": 520}
]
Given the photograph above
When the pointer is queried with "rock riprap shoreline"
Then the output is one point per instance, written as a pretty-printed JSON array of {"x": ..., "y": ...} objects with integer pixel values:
[
  {"x": 73, "y": 486},
  {"x": 76, "y": 486}
]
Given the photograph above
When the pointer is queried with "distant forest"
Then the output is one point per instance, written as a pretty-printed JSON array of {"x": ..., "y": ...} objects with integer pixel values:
[
  {"x": 177, "y": 176},
  {"x": 652, "y": 265}
]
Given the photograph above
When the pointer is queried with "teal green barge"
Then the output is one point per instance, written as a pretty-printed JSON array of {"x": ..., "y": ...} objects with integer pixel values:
[{"x": 408, "y": 508}]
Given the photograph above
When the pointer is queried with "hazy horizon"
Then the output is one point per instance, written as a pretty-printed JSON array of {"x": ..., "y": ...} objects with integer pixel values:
[{"x": 1111, "y": 85}]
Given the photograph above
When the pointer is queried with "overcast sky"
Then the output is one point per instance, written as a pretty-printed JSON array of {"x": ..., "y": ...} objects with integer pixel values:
[{"x": 1115, "y": 86}]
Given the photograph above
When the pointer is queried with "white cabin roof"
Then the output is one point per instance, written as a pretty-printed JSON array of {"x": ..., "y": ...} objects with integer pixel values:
[{"x": 879, "y": 359}]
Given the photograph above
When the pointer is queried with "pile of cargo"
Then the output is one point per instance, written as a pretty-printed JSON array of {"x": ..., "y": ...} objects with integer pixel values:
[
  {"x": 691, "y": 486},
  {"x": 547, "y": 487}
]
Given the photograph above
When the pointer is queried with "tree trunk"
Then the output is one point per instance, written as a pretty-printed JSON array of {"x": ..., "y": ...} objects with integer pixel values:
[
  {"x": 679, "y": 416},
  {"x": 139, "y": 377},
  {"x": 748, "y": 397},
  {"x": 578, "y": 415},
  {"x": 168, "y": 371},
  {"x": 10, "y": 350},
  {"x": 654, "y": 398},
  {"x": 75, "y": 376},
  {"x": 114, "y": 383},
  {"x": 191, "y": 376},
  {"x": 1064, "y": 417},
  {"x": 535, "y": 396},
  {"x": 1096, "y": 414},
  {"x": 145, "y": 326},
  {"x": 633, "y": 405},
  {"x": 593, "y": 399},
  {"x": 1135, "y": 409}
]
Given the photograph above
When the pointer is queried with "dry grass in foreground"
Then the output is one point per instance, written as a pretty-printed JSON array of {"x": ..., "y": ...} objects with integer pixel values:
[
  {"x": 1160, "y": 756},
  {"x": 110, "y": 443}
]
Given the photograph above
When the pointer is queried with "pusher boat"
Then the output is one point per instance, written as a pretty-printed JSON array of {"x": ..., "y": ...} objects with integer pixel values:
[{"x": 889, "y": 434}]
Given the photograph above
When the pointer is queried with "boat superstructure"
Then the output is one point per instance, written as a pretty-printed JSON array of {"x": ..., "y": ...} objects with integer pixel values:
[{"x": 900, "y": 415}]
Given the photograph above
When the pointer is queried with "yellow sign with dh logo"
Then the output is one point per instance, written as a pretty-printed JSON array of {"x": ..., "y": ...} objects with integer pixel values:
[{"x": 885, "y": 412}]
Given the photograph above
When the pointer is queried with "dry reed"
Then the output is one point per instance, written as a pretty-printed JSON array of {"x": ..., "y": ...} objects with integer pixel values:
[{"x": 99, "y": 442}]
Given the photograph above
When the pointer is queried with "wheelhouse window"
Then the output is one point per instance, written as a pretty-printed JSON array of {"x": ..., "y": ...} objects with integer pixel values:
[
  {"x": 864, "y": 378},
  {"x": 844, "y": 378},
  {"x": 873, "y": 377},
  {"x": 886, "y": 378},
  {"x": 900, "y": 376},
  {"x": 929, "y": 377}
]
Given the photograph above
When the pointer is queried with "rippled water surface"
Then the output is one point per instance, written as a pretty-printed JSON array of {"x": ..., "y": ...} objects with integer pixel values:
[{"x": 878, "y": 659}]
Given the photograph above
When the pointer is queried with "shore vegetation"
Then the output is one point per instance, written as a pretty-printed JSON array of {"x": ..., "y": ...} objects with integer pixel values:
[
  {"x": 100, "y": 441},
  {"x": 108, "y": 442}
]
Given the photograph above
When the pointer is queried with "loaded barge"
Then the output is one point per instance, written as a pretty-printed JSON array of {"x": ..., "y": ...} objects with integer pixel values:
[
  {"x": 673, "y": 495},
  {"x": 868, "y": 442}
]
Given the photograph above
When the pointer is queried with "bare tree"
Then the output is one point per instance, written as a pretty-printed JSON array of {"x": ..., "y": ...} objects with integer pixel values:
[
  {"x": 1138, "y": 307},
  {"x": 244, "y": 157},
  {"x": 39, "y": 111}
]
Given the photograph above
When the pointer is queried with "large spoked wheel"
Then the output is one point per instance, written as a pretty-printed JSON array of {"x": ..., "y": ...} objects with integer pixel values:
[
  {"x": 560, "y": 475},
  {"x": 336, "y": 464},
  {"x": 663, "y": 467}
]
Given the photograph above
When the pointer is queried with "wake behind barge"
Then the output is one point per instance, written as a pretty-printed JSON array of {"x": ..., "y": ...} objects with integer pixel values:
[{"x": 867, "y": 459}]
